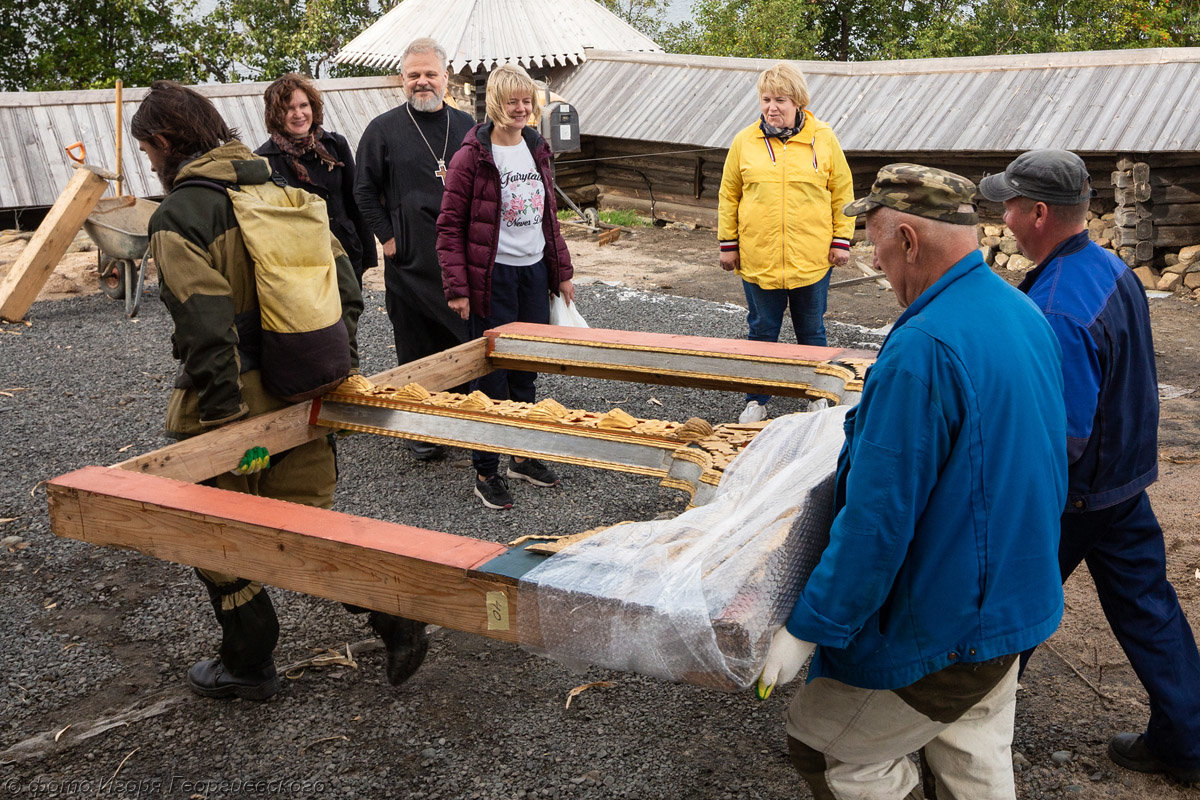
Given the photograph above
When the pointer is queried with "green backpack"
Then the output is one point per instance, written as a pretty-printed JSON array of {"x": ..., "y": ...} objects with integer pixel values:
[{"x": 305, "y": 344}]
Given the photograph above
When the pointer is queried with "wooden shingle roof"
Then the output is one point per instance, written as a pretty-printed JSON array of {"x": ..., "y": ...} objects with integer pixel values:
[
  {"x": 1135, "y": 101},
  {"x": 36, "y": 126}
]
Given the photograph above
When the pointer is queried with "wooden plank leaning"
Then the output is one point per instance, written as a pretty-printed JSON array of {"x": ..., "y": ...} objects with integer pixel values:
[{"x": 49, "y": 243}]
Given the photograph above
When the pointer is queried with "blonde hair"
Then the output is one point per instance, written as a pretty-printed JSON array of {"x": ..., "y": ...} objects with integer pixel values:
[
  {"x": 506, "y": 81},
  {"x": 785, "y": 80}
]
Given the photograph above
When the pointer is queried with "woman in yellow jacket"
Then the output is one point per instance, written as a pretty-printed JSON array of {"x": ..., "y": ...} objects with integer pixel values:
[{"x": 781, "y": 225}]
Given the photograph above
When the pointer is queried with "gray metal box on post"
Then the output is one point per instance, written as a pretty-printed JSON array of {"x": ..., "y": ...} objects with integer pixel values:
[{"x": 559, "y": 126}]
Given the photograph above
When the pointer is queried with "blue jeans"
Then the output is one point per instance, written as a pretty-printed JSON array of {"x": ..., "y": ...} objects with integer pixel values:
[
  {"x": 765, "y": 318},
  {"x": 519, "y": 294}
]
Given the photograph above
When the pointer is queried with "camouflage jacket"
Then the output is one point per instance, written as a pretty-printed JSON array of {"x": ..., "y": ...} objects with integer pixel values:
[{"x": 206, "y": 281}]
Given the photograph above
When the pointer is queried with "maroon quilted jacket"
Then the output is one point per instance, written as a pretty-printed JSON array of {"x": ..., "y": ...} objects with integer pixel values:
[{"x": 468, "y": 227}]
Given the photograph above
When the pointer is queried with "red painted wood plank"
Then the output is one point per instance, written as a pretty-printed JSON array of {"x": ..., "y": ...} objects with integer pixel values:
[{"x": 404, "y": 540}]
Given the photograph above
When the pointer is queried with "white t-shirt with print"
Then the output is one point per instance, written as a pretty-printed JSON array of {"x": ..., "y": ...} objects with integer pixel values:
[{"x": 522, "y": 198}]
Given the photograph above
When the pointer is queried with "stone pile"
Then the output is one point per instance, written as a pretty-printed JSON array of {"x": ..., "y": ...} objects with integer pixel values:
[{"x": 1179, "y": 270}]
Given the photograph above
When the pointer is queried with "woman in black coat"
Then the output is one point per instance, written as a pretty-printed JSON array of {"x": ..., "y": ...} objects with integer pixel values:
[{"x": 307, "y": 156}]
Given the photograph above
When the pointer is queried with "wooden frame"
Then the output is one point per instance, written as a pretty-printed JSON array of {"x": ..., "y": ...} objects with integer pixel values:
[{"x": 150, "y": 503}]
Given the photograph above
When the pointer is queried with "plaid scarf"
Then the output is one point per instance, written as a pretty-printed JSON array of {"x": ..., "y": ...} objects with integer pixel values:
[
  {"x": 782, "y": 134},
  {"x": 297, "y": 146}
]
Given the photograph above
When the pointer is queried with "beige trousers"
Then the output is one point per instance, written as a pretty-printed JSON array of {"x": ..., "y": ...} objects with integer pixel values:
[{"x": 849, "y": 743}]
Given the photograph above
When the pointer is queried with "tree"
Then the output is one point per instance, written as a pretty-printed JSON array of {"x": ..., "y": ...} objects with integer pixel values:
[
  {"x": 747, "y": 28},
  {"x": 853, "y": 30},
  {"x": 60, "y": 44},
  {"x": 841, "y": 30},
  {"x": 645, "y": 15},
  {"x": 262, "y": 39},
  {"x": 69, "y": 44}
]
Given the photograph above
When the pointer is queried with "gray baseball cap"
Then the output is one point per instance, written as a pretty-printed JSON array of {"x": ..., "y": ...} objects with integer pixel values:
[{"x": 1057, "y": 177}]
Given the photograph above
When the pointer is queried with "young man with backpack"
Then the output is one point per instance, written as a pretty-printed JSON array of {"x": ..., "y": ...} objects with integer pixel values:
[{"x": 207, "y": 282}]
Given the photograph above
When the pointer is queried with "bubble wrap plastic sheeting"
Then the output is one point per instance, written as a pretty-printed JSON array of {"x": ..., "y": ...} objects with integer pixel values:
[{"x": 696, "y": 598}]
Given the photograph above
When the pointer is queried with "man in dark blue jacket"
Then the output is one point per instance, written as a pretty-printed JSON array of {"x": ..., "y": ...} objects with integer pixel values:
[{"x": 1097, "y": 308}]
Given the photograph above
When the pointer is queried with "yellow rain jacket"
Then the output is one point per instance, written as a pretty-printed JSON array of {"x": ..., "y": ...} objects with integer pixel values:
[{"x": 781, "y": 204}]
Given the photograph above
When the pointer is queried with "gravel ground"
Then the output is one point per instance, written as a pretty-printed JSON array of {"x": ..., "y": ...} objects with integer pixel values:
[
  {"x": 94, "y": 642},
  {"x": 89, "y": 632}
]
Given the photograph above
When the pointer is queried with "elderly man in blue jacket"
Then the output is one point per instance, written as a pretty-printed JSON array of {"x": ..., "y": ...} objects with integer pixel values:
[
  {"x": 1097, "y": 308},
  {"x": 942, "y": 561}
]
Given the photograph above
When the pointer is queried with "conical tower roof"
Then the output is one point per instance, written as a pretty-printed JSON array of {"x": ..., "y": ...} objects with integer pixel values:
[{"x": 480, "y": 34}]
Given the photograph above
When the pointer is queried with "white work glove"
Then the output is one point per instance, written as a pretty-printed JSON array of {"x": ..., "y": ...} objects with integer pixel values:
[{"x": 785, "y": 657}]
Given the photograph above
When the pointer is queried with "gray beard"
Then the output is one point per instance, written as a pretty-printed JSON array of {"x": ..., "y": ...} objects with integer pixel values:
[{"x": 428, "y": 106}]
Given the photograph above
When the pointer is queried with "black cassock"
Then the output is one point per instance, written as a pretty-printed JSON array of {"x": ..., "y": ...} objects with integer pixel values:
[{"x": 399, "y": 195}]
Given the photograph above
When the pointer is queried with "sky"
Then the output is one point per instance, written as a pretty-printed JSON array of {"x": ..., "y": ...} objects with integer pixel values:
[{"x": 678, "y": 11}]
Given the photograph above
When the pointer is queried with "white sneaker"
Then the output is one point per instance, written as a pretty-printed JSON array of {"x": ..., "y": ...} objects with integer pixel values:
[
  {"x": 753, "y": 412},
  {"x": 818, "y": 405}
]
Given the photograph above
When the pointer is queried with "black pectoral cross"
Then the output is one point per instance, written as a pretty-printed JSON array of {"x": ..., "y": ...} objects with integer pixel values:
[{"x": 441, "y": 171}]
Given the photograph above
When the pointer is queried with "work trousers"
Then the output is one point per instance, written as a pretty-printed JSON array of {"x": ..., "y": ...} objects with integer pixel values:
[
  {"x": 249, "y": 628},
  {"x": 519, "y": 294},
  {"x": 765, "y": 309},
  {"x": 848, "y": 742},
  {"x": 1124, "y": 552}
]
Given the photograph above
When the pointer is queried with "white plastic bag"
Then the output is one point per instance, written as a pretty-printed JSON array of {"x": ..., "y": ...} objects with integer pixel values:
[{"x": 562, "y": 313}]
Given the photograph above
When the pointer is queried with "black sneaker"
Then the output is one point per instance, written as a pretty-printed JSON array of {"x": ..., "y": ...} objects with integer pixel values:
[
  {"x": 493, "y": 492},
  {"x": 209, "y": 678},
  {"x": 1129, "y": 750},
  {"x": 425, "y": 451},
  {"x": 532, "y": 471}
]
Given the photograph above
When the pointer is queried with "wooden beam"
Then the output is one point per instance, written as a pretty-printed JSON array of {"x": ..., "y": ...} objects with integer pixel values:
[
  {"x": 201, "y": 457},
  {"x": 650, "y": 375},
  {"x": 667, "y": 359},
  {"x": 421, "y": 574},
  {"x": 49, "y": 243},
  {"x": 868, "y": 272},
  {"x": 621, "y": 450},
  {"x": 441, "y": 371},
  {"x": 1176, "y": 235},
  {"x": 613, "y": 198},
  {"x": 664, "y": 345},
  {"x": 854, "y": 281}
]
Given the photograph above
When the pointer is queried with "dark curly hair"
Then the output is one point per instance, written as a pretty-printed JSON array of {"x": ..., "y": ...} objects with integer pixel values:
[
  {"x": 279, "y": 94},
  {"x": 186, "y": 119}
]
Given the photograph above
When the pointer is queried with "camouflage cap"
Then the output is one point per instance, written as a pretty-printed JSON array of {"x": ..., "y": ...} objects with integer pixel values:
[{"x": 923, "y": 191}]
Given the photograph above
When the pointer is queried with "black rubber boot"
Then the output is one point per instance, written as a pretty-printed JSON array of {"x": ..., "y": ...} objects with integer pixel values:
[
  {"x": 210, "y": 678},
  {"x": 406, "y": 642},
  {"x": 249, "y": 632}
]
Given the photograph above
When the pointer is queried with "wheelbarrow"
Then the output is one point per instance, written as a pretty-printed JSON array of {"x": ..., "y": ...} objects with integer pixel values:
[{"x": 120, "y": 227}]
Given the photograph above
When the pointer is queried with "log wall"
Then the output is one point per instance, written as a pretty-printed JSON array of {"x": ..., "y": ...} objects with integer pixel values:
[{"x": 1147, "y": 206}]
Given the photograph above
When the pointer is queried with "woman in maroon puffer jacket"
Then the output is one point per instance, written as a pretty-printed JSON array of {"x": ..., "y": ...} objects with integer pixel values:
[{"x": 501, "y": 251}]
